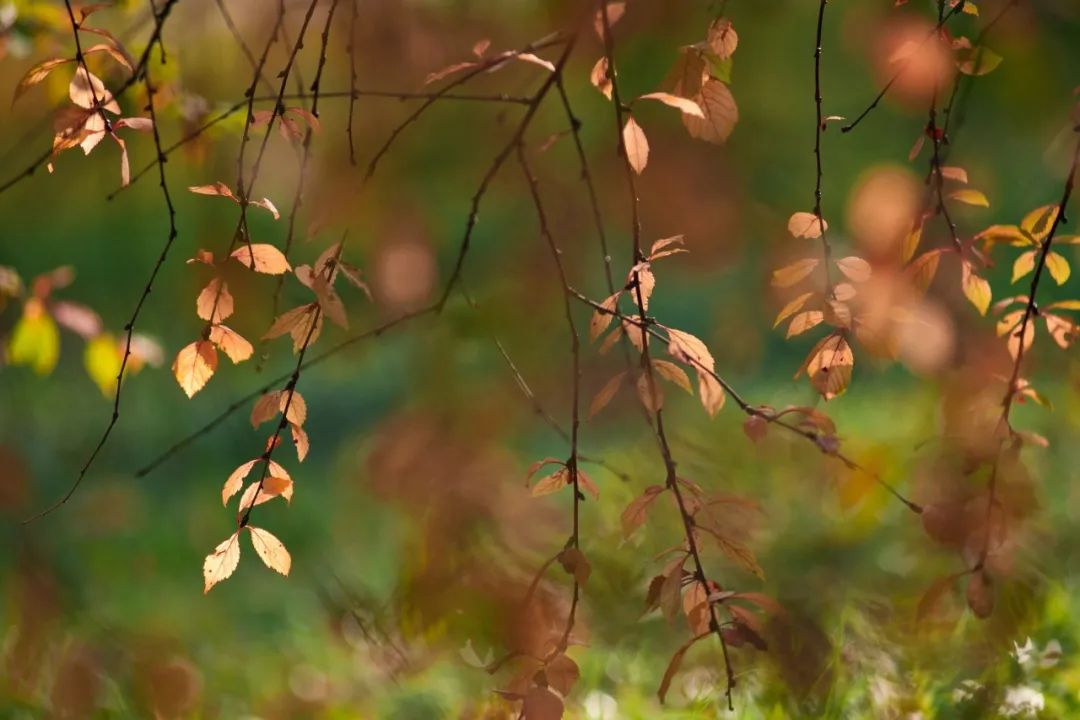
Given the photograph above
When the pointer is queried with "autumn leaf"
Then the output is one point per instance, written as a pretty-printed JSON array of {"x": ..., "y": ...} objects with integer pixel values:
[
  {"x": 673, "y": 667},
  {"x": 792, "y": 307},
  {"x": 1058, "y": 267},
  {"x": 722, "y": 38},
  {"x": 35, "y": 339},
  {"x": 829, "y": 366},
  {"x": 855, "y": 268},
  {"x": 598, "y": 76},
  {"x": 214, "y": 302},
  {"x": 573, "y": 561},
  {"x": 270, "y": 550},
  {"x": 218, "y": 188},
  {"x": 721, "y": 113},
  {"x": 297, "y": 408},
  {"x": 600, "y": 319},
  {"x": 221, "y": 563},
  {"x": 679, "y": 103},
  {"x": 673, "y": 373},
  {"x": 922, "y": 270},
  {"x": 976, "y": 288},
  {"x": 266, "y": 407},
  {"x": 262, "y": 258},
  {"x": 85, "y": 88},
  {"x": 36, "y": 74},
  {"x": 804, "y": 321},
  {"x": 102, "y": 359},
  {"x": 636, "y": 145},
  {"x": 540, "y": 703},
  {"x": 552, "y": 483},
  {"x": 793, "y": 273},
  {"x": 194, "y": 366},
  {"x": 970, "y": 197},
  {"x": 806, "y": 225},
  {"x": 636, "y": 512},
  {"x": 602, "y": 398},
  {"x": 236, "y": 480},
  {"x": 272, "y": 487},
  {"x": 301, "y": 441},
  {"x": 231, "y": 343}
]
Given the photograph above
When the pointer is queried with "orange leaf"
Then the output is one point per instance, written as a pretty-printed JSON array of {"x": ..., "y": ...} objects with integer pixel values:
[
  {"x": 218, "y": 188},
  {"x": 794, "y": 272},
  {"x": 221, "y": 563},
  {"x": 806, "y": 225},
  {"x": 262, "y": 258},
  {"x": 236, "y": 481},
  {"x": 231, "y": 343},
  {"x": 266, "y": 407},
  {"x": 602, "y": 398},
  {"x": 194, "y": 366},
  {"x": 721, "y": 113},
  {"x": 215, "y": 302}
]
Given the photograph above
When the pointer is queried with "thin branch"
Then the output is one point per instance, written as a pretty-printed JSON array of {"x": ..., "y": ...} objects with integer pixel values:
[
  {"x": 942, "y": 19},
  {"x": 819, "y": 128}
]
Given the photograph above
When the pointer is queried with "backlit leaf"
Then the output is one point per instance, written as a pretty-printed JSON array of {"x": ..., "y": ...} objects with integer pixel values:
[
  {"x": 806, "y": 225},
  {"x": 722, "y": 38},
  {"x": 270, "y": 550},
  {"x": 1058, "y": 267},
  {"x": 231, "y": 343},
  {"x": 214, "y": 302},
  {"x": 194, "y": 366},
  {"x": 970, "y": 197},
  {"x": 35, "y": 339},
  {"x": 102, "y": 359},
  {"x": 1023, "y": 264},
  {"x": 976, "y": 288},
  {"x": 636, "y": 144},
  {"x": 721, "y": 113},
  {"x": 855, "y": 268},
  {"x": 262, "y": 258},
  {"x": 793, "y": 273},
  {"x": 221, "y": 563},
  {"x": 679, "y": 103}
]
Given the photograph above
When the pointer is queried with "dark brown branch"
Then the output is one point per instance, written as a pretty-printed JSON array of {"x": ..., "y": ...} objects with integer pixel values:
[{"x": 819, "y": 128}]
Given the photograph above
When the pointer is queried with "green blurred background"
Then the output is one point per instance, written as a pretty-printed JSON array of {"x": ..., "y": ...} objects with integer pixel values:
[{"x": 411, "y": 531}]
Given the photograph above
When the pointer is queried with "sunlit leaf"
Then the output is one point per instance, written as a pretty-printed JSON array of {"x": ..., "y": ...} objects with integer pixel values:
[
  {"x": 102, "y": 359},
  {"x": 221, "y": 563},
  {"x": 721, "y": 113},
  {"x": 270, "y": 550},
  {"x": 806, "y": 225},
  {"x": 794, "y": 272},
  {"x": 262, "y": 258},
  {"x": 194, "y": 366},
  {"x": 35, "y": 339},
  {"x": 636, "y": 144}
]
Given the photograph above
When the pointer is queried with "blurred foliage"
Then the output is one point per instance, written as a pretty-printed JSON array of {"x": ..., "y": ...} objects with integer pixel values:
[{"x": 412, "y": 535}]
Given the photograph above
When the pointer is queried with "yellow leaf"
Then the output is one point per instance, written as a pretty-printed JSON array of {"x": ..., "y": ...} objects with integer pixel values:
[
  {"x": 1058, "y": 267},
  {"x": 102, "y": 359},
  {"x": 976, "y": 289},
  {"x": 35, "y": 340},
  {"x": 1023, "y": 265},
  {"x": 636, "y": 145},
  {"x": 271, "y": 550},
  {"x": 970, "y": 197},
  {"x": 804, "y": 321},
  {"x": 791, "y": 308},
  {"x": 1038, "y": 222},
  {"x": 221, "y": 563},
  {"x": 922, "y": 270},
  {"x": 673, "y": 373},
  {"x": 911, "y": 242},
  {"x": 194, "y": 366}
]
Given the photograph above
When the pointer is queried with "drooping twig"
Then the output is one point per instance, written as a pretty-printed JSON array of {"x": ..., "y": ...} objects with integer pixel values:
[
  {"x": 129, "y": 327},
  {"x": 942, "y": 19},
  {"x": 819, "y": 128}
]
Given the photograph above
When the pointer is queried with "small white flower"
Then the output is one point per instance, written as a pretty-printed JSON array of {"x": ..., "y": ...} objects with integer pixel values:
[
  {"x": 1022, "y": 701},
  {"x": 965, "y": 691},
  {"x": 1025, "y": 653}
]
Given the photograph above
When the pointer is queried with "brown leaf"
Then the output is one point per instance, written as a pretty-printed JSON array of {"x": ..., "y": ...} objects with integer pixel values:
[
  {"x": 85, "y": 87},
  {"x": 829, "y": 366},
  {"x": 271, "y": 550},
  {"x": 649, "y": 392},
  {"x": 542, "y": 704},
  {"x": 36, "y": 74},
  {"x": 673, "y": 667},
  {"x": 552, "y": 483},
  {"x": 687, "y": 74},
  {"x": 804, "y": 321},
  {"x": 791, "y": 308},
  {"x": 266, "y": 407},
  {"x": 933, "y": 595},
  {"x": 598, "y": 76},
  {"x": 614, "y": 11},
  {"x": 721, "y": 113},
  {"x": 194, "y": 366},
  {"x": 221, "y": 563},
  {"x": 980, "y": 594},
  {"x": 218, "y": 188},
  {"x": 574, "y": 562},
  {"x": 636, "y": 144},
  {"x": 602, "y": 398},
  {"x": 637, "y": 511},
  {"x": 601, "y": 320},
  {"x": 722, "y": 38},
  {"x": 562, "y": 673}
]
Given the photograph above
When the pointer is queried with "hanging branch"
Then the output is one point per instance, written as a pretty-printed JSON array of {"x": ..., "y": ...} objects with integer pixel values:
[
  {"x": 819, "y": 128},
  {"x": 351, "y": 50},
  {"x": 942, "y": 19},
  {"x": 129, "y": 327},
  {"x": 671, "y": 478}
]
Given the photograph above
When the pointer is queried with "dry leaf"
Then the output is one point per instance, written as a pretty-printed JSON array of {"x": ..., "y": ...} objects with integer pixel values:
[
  {"x": 271, "y": 550},
  {"x": 636, "y": 144},
  {"x": 194, "y": 366},
  {"x": 262, "y": 258},
  {"x": 221, "y": 563}
]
